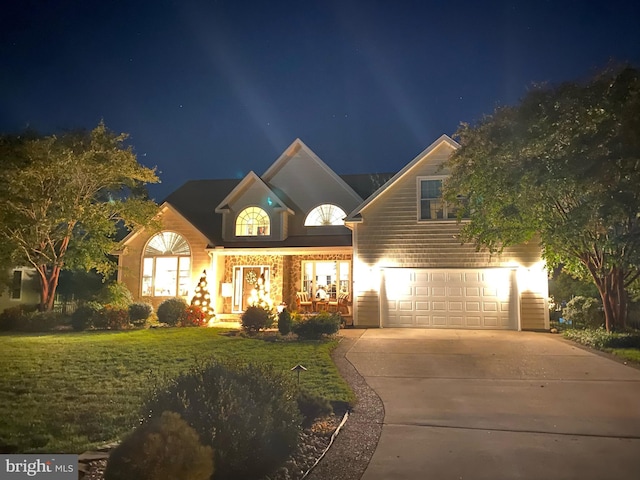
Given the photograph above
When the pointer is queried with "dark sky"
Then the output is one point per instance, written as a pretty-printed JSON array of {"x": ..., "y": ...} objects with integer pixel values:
[{"x": 213, "y": 89}]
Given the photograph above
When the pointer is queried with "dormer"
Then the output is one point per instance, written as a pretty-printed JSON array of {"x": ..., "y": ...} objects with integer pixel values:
[{"x": 253, "y": 212}]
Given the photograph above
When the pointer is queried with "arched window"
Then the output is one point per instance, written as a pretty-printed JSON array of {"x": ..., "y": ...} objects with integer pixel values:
[
  {"x": 326, "y": 214},
  {"x": 252, "y": 222},
  {"x": 166, "y": 266}
]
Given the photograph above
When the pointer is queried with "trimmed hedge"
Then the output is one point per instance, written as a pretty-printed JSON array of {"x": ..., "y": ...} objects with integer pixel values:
[
  {"x": 600, "y": 339},
  {"x": 313, "y": 327}
]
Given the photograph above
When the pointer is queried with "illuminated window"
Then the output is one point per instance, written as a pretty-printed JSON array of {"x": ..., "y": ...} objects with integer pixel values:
[
  {"x": 325, "y": 280},
  {"x": 252, "y": 222},
  {"x": 432, "y": 206},
  {"x": 326, "y": 214},
  {"x": 166, "y": 266}
]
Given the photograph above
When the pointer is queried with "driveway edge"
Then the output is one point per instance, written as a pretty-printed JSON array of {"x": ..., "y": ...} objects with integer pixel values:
[{"x": 353, "y": 448}]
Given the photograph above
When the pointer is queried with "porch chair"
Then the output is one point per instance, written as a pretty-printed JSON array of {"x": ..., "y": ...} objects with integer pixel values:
[{"x": 304, "y": 302}]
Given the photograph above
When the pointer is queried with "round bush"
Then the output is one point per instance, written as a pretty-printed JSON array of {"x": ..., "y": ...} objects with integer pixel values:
[
  {"x": 312, "y": 406},
  {"x": 139, "y": 312},
  {"x": 284, "y": 322},
  {"x": 112, "y": 318},
  {"x": 255, "y": 319},
  {"x": 165, "y": 448},
  {"x": 172, "y": 311},
  {"x": 247, "y": 413},
  {"x": 85, "y": 315}
]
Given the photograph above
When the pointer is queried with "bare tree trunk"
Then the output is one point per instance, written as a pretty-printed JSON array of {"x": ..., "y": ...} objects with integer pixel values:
[
  {"x": 614, "y": 299},
  {"x": 48, "y": 286}
]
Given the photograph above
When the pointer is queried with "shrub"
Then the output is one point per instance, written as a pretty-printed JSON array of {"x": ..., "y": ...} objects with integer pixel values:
[
  {"x": 11, "y": 318},
  {"x": 256, "y": 318},
  {"x": 115, "y": 294},
  {"x": 584, "y": 312},
  {"x": 314, "y": 326},
  {"x": 112, "y": 318},
  {"x": 139, "y": 312},
  {"x": 85, "y": 315},
  {"x": 247, "y": 413},
  {"x": 165, "y": 448},
  {"x": 42, "y": 321},
  {"x": 284, "y": 322},
  {"x": 312, "y": 406},
  {"x": 172, "y": 311},
  {"x": 599, "y": 338},
  {"x": 194, "y": 317}
]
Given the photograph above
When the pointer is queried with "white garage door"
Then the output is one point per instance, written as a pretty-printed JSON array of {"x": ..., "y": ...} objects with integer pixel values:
[{"x": 447, "y": 298}]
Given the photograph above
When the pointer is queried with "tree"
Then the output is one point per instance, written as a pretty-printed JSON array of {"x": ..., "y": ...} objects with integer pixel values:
[
  {"x": 562, "y": 166},
  {"x": 63, "y": 199}
]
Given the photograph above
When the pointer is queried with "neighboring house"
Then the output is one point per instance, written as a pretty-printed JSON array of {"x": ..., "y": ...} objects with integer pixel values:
[
  {"x": 23, "y": 288},
  {"x": 395, "y": 261}
]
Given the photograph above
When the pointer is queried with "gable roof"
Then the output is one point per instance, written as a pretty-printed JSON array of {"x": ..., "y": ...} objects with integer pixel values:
[
  {"x": 291, "y": 151},
  {"x": 250, "y": 179},
  {"x": 355, "y": 216}
]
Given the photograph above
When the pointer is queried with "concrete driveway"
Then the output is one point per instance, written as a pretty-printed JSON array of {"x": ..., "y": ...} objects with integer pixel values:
[{"x": 463, "y": 404}]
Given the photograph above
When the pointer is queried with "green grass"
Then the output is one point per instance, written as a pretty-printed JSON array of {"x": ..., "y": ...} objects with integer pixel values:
[
  {"x": 68, "y": 392},
  {"x": 631, "y": 354}
]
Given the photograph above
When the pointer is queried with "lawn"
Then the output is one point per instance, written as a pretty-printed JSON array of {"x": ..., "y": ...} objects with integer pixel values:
[
  {"x": 631, "y": 354},
  {"x": 68, "y": 392}
]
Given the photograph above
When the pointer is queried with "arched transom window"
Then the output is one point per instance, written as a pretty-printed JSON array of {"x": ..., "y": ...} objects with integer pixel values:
[
  {"x": 326, "y": 214},
  {"x": 166, "y": 266},
  {"x": 252, "y": 221}
]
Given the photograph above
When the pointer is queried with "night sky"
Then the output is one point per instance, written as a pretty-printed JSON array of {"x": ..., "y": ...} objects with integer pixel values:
[{"x": 213, "y": 89}]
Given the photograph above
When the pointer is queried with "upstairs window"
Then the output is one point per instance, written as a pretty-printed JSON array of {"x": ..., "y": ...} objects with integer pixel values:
[
  {"x": 166, "y": 266},
  {"x": 324, "y": 215},
  {"x": 252, "y": 222},
  {"x": 432, "y": 206}
]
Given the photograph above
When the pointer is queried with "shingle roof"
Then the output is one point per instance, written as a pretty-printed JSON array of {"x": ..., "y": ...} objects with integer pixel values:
[{"x": 196, "y": 200}]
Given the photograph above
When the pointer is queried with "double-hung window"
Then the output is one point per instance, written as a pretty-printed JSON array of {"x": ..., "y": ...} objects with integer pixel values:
[{"x": 431, "y": 204}]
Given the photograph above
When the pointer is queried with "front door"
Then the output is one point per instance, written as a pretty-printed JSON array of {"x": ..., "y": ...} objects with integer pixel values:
[{"x": 245, "y": 279}]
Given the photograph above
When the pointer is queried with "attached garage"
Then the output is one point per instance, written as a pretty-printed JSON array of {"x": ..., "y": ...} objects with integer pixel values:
[{"x": 449, "y": 298}]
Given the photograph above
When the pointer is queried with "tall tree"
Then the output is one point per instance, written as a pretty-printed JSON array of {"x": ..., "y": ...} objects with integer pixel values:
[
  {"x": 562, "y": 166},
  {"x": 63, "y": 198}
]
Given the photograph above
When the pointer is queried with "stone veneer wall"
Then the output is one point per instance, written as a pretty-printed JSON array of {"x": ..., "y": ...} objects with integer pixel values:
[
  {"x": 275, "y": 264},
  {"x": 286, "y": 271}
]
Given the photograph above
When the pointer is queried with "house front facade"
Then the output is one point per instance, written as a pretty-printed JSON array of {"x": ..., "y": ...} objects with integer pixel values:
[{"x": 380, "y": 248}]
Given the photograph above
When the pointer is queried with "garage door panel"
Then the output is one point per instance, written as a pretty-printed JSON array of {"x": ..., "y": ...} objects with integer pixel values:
[
  {"x": 439, "y": 306},
  {"x": 455, "y": 306},
  {"x": 472, "y": 291},
  {"x": 472, "y": 306},
  {"x": 438, "y": 291},
  {"x": 423, "y": 306},
  {"x": 490, "y": 306},
  {"x": 422, "y": 290},
  {"x": 439, "y": 321},
  {"x": 455, "y": 291},
  {"x": 473, "y": 321},
  {"x": 405, "y": 306},
  {"x": 448, "y": 298}
]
